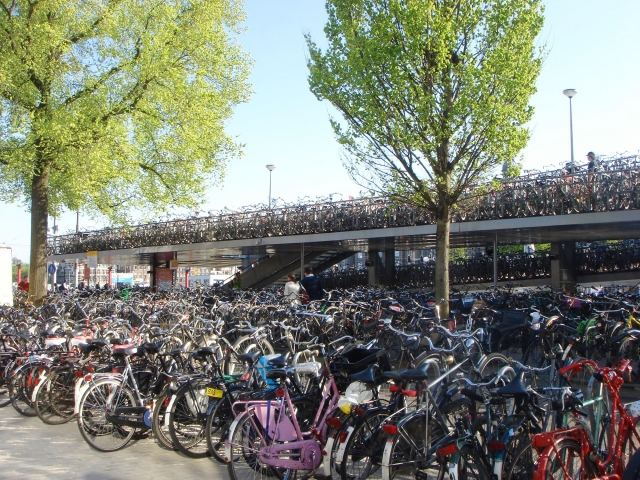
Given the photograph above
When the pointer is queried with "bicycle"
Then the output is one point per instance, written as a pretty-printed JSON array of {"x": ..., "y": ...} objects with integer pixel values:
[{"x": 577, "y": 453}]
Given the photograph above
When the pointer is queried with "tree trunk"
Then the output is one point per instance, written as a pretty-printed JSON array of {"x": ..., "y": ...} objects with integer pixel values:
[
  {"x": 39, "y": 220},
  {"x": 443, "y": 227}
]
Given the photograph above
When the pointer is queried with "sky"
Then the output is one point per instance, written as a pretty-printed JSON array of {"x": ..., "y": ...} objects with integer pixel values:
[{"x": 592, "y": 46}]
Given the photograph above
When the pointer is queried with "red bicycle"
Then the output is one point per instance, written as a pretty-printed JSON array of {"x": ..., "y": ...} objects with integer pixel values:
[{"x": 581, "y": 453}]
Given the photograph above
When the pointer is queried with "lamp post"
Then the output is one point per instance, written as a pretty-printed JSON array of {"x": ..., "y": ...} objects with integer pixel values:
[
  {"x": 271, "y": 168},
  {"x": 571, "y": 92}
]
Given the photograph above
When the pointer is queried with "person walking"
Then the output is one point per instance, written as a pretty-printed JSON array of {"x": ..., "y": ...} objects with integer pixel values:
[
  {"x": 593, "y": 166},
  {"x": 292, "y": 290},
  {"x": 312, "y": 284}
]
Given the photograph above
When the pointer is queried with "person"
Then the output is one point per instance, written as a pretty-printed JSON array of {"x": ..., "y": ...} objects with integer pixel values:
[
  {"x": 62, "y": 287},
  {"x": 24, "y": 284},
  {"x": 593, "y": 166},
  {"x": 312, "y": 284},
  {"x": 292, "y": 290},
  {"x": 236, "y": 284}
]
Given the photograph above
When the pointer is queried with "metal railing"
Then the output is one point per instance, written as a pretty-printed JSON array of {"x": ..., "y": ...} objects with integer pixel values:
[
  {"x": 590, "y": 258},
  {"x": 615, "y": 187}
]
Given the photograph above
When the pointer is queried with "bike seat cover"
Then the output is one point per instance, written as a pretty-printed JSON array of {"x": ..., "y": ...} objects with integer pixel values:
[
  {"x": 206, "y": 351},
  {"x": 128, "y": 351},
  {"x": 98, "y": 341},
  {"x": 251, "y": 357},
  {"x": 153, "y": 347},
  {"x": 418, "y": 373},
  {"x": 365, "y": 376},
  {"x": 515, "y": 388},
  {"x": 281, "y": 361}
]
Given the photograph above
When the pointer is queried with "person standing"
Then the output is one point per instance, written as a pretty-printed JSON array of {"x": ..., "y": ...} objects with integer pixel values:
[
  {"x": 236, "y": 284},
  {"x": 292, "y": 290},
  {"x": 312, "y": 284},
  {"x": 593, "y": 166},
  {"x": 24, "y": 284}
]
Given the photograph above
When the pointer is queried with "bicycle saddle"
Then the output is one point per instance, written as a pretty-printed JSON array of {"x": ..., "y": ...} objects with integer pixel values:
[
  {"x": 515, "y": 388},
  {"x": 128, "y": 351},
  {"x": 277, "y": 374},
  {"x": 418, "y": 373},
  {"x": 153, "y": 347},
  {"x": 251, "y": 357},
  {"x": 281, "y": 361},
  {"x": 98, "y": 341},
  {"x": 365, "y": 376},
  {"x": 205, "y": 351}
]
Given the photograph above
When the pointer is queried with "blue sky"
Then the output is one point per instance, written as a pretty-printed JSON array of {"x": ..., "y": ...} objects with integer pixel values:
[{"x": 592, "y": 47}]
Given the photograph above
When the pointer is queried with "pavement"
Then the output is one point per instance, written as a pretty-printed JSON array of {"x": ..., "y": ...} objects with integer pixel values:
[{"x": 33, "y": 450}]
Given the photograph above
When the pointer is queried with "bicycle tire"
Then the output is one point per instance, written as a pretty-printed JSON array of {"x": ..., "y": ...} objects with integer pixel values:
[
  {"x": 54, "y": 401},
  {"x": 401, "y": 456},
  {"x": 187, "y": 417},
  {"x": 565, "y": 458},
  {"x": 158, "y": 427},
  {"x": 631, "y": 444},
  {"x": 470, "y": 465},
  {"x": 364, "y": 447},
  {"x": 246, "y": 344},
  {"x": 523, "y": 463},
  {"x": 96, "y": 430},
  {"x": 21, "y": 386},
  {"x": 245, "y": 439},
  {"x": 217, "y": 427}
]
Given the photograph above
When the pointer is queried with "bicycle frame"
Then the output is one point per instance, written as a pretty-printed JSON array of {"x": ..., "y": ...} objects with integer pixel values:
[
  {"x": 546, "y": 443},
  {"x": 270, "y": 421}
]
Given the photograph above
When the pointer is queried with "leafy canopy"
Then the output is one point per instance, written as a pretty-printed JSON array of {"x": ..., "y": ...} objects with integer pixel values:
[
  {"x": 433, "y": 93},
  {"x": 125, "y": 100}
]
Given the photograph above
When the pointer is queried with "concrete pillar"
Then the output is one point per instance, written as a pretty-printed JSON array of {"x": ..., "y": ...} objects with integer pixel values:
[
  {"x": 563, "y": 266},
  {"x": 389, "y": 266},
  {"x": 246, "y": 258},
  {"x": 375, "y": 267}
]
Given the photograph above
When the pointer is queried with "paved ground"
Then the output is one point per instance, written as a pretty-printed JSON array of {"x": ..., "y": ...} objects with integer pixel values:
[{"x": 32, "y": 450}]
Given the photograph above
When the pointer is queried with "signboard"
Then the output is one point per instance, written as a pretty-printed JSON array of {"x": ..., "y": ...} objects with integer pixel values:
[
  {"x": 87, "y": 272},
  {"x": 173, "y": 264},
  {"x": 164, "y": 278},
  {"x": 6, "y": 292},
  {"x": 51, "y": 269},
  {"x": 92, "y": 258}
]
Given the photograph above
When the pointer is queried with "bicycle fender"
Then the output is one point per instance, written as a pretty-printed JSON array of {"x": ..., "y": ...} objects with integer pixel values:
[
  {"x": 43, "y": 379},
  {"x": 629, "y": 333}
]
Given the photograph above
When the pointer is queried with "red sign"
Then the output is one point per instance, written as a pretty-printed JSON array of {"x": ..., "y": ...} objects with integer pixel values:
[{"x": 87, "y": 272}]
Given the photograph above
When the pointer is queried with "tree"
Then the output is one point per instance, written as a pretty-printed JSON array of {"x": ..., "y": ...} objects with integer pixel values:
[
  {"x": 434, "y": 95},
  {"x": 108, "y": 105}
]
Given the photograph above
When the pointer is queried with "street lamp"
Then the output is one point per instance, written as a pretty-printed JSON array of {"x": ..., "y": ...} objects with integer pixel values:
[
  {"x": 571, "y": 92},
  {"x": 271, "y": 168}
]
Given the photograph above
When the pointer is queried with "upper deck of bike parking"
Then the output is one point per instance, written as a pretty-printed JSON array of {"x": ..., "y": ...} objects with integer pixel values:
[{"x": 553, "y": 206}]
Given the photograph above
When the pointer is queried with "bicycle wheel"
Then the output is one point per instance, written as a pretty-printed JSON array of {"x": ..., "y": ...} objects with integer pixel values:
[
  {"x": 471, "y": 466},
  {"x": 216, "y": 428},
  {"x": 187, "y": 416},
  {"x": 405, "y": 458},
  {"x": 363, "y": 451},
  {"x": 160, "y": 430},
  {"x": 21, "y": 388},
  {"x": 246, "y": 438},
  {"x": 523, "y": 463},
  {"x": 55, "y": 398},
  {"x": 565, "y": 462},
  {"x": 103, "y": 396},
  {"x": 631, "y": 444}
]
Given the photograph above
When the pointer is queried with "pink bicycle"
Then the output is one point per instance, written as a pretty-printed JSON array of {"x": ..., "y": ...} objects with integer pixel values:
[{"x": 266, "y": 440}]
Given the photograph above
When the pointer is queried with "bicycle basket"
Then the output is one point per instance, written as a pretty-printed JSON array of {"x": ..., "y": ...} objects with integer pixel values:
[{"x": 512, "y": 318}]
